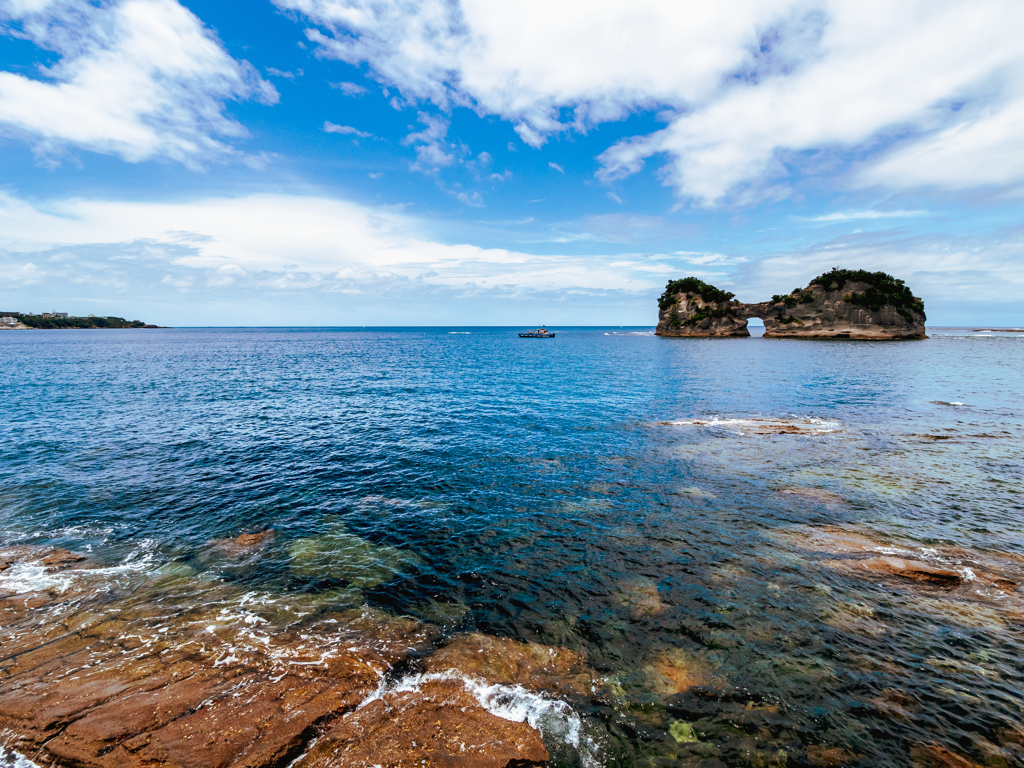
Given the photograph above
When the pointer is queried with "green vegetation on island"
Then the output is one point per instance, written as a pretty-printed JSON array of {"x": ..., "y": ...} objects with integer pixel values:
[
  {"x": 50, "y": 321},
  {"x": 884, "y": 289},
  {"x": 692, "y": 285}
]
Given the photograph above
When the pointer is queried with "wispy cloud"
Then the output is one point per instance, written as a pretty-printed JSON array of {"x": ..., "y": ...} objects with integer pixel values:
[
  {"x": 868, "y": 214},
  {"x": 347, "y": 130},
  {"x": 349, "y": 89},
  {"x": 557, "y": 167},
  {"x": 275, "y": 72}
]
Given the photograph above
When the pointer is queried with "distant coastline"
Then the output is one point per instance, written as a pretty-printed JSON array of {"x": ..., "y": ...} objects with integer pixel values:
[{"x": 18, "y": 321}]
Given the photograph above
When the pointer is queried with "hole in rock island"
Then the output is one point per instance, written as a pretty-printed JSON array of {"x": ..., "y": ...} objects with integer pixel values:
[{"x": 755, "y": 326}]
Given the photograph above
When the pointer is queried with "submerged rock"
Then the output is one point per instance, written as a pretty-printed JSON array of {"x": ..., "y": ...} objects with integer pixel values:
[
  {"x": 674, "y": 671},
  {"x": 640, "y": 596},
  {"x": 915, "y": 570},
  {"x": 841, "y": 304},
  {"x": 340, "y": 555},
  {"x": 245, "y": 544},
  {"x": 977, "y": 588},
  {"x": 934, "y": 756}
]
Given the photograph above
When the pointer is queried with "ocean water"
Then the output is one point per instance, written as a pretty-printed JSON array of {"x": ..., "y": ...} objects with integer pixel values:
[{"x": 668, "y": 507}]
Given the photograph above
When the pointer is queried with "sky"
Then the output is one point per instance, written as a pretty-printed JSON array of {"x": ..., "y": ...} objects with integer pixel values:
[{"x": 486, "y": 162}]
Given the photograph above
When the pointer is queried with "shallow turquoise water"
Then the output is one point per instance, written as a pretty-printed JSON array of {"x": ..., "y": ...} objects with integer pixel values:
[{"x": 607, "y": 490}]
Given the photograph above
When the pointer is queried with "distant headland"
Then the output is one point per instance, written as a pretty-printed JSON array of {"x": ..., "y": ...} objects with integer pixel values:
[
  {"x": 29, "y": 321},
  {"x": 839, "y": 304}
]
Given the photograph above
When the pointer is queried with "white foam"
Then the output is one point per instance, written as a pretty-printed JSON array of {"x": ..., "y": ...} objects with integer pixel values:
[
  {"x": 32, "y": 577},
  {"x": 12, "y": 759},
  {"x": 555, "y": 719},
  {"x": 755, "y": 425}
]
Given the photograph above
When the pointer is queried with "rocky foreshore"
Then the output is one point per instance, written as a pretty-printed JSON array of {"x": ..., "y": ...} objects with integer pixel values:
[
  {"x": 840, "y": 304},
  {"x": 103, "y": 668}
]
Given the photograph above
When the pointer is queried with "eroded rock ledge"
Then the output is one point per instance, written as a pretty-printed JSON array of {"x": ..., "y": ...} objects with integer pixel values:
[
  {"x": 115, "y": 671},
  {"x": 840, "y": 304}
]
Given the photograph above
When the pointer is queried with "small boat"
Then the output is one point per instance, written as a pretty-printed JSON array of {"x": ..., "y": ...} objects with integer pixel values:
[{"x": 540, "y": 333}]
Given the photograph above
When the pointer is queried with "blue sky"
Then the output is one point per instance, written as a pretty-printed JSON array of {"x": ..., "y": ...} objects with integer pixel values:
[{"x": 340, "y": 162}]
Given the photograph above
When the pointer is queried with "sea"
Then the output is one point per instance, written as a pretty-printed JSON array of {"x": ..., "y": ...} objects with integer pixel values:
[{"x": 663, "y": 506}]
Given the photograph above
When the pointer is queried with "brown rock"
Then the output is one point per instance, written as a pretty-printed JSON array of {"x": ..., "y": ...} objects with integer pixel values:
[
  {"x": 186, "y": 674},
  {"x": 62, "y": 557},
  {"x": 441, "y": 724},
  {"x": 829, "y": 757},
  {"x": 815, "y": 312},
  {"x": 915, "y": 570},
  {"x": 500, "y": 660},
  {"x": 639, "y": 596},
  {"x": 674, "y": 670},
  {"x": 934, "y": 756},
  {"x": 244, "y": 544}
]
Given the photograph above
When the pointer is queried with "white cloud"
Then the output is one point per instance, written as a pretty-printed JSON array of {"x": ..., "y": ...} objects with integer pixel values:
[
  {"x": 556, "y": 167},
  {"x": 858, "y": 215},
  {"x": 432, "y": 149},
  {"x": 138, "y": 79},
  {"x": 751, "y": 86},
  {"x": 349, "y": 89},
  {"x": 347, "y": 130},
  {"x": 986, "y": 149},
  {"x": 497, "y": 55},
  {"x": 954, "y": 274},
  {"x": 229, "y": 241},
  {"x": 275, "y": 72}
]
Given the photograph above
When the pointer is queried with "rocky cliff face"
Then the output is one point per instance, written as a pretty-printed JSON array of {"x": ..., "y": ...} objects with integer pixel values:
[{"x": 841, "y": 304}]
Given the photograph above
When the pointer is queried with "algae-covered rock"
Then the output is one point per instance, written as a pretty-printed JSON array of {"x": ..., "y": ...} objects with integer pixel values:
[
  {"x": 442, "y": 614},
  {"x": 675, "y": 670},
  {"x": 342, "y": 556},
  {"x": 639, "y": 596},
  {"x": 682, "y": 732}
]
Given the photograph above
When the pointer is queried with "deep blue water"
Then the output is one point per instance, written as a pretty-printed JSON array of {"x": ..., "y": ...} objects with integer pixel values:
[{"x": 539, "y": 489}]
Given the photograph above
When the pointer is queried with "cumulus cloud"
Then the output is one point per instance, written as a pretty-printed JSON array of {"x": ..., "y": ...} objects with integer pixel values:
[
  {"x": 926, "y": 92},
  {"x": 137, "y": 79}
]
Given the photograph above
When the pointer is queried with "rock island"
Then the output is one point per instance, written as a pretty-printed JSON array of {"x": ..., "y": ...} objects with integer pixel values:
[{"x": 840, "y": 304}]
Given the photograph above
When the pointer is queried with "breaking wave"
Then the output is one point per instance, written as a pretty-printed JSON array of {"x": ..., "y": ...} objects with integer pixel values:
[{"x": 563, "y": 730}]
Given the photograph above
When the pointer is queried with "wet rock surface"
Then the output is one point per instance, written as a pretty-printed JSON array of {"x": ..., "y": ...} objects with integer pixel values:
[
  {"x": 244, "y": 545},
  {"x": 958, "y": 573},
  {"x": 441, "y": 723},
  {"x": 501, "y": 660},
  {"x": 177, "y": 672}
]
